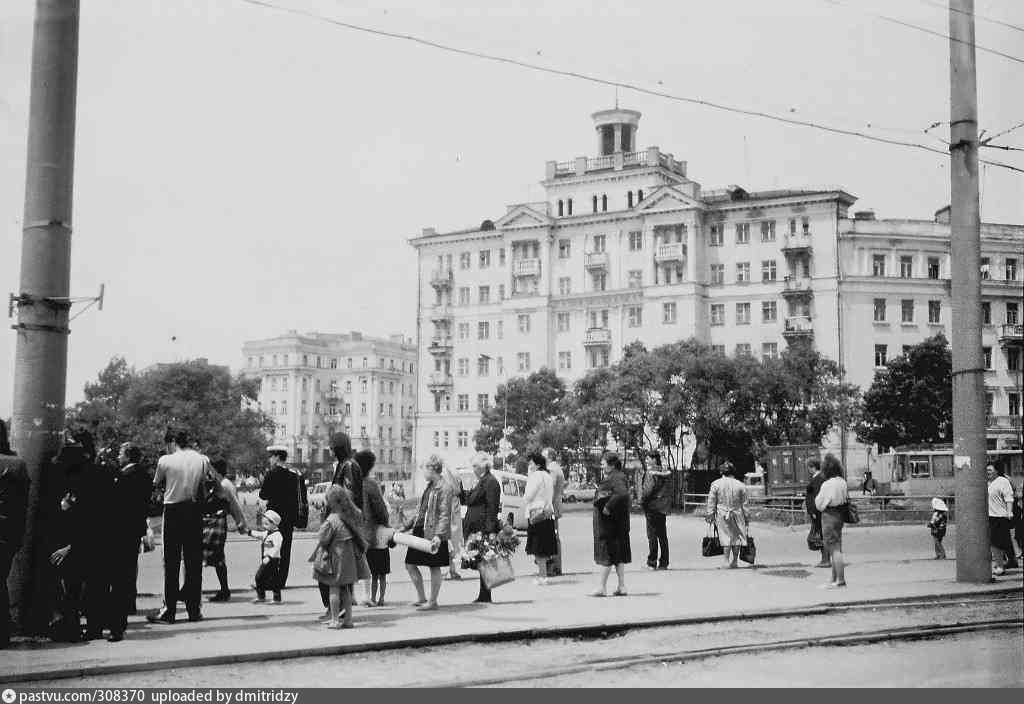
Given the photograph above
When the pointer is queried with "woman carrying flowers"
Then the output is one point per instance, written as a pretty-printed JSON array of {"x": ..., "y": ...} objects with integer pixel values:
[{"x": 483, "y": 503}]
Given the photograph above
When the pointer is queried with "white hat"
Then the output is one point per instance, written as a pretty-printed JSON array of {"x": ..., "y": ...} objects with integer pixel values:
[
  {"x": 939, "y": 505},
  {"x": 272, "y": 517},
  {"x": 276, "y": 448}
]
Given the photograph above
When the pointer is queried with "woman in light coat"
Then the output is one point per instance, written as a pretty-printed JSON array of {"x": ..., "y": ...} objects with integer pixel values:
[
  {"x": 727, "y": 508},
  {"x": 541, "y": 539}
]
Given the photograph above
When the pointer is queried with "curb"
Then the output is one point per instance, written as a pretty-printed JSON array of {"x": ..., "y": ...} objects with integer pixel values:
[{"x": 586, "y": 629}]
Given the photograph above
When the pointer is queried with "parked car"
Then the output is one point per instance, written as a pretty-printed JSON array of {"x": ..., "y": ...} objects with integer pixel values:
[
  {"x": 317, "y": 495},
  {"x": 578, "y": 492}
]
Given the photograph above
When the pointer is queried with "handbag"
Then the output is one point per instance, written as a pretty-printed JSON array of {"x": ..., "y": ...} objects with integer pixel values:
[
  {"x": 814, "y": 540},
  {"x": 850, "y": 513},
  {"x": 539, "y": 515},
  {"x": 496, "y": 571},
  {"x": 749, "y": 551},
  {"x": 302, "y": 516},
  {"x": 711, "y": 544},
  {"x": 323, "y": 562}
]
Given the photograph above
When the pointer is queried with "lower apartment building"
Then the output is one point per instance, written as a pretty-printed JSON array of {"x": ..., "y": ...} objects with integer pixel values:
[
  {"x": 627, "y": 247},
  {"x": 315, "y": 384}
]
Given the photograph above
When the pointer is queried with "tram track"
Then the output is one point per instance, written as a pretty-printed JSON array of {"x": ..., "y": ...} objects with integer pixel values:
[{"x": 839, "y": 639}]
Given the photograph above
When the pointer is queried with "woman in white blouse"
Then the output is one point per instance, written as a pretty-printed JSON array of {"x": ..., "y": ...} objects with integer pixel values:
[
  {"x": 830, "y": 501},
  {"x": 541, "y": 540}
]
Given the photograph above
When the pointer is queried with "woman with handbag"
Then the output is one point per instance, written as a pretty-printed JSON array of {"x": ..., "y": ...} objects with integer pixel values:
[
  {"x": 611, "y": 524},
  {"x": 832, "y": 501},
  {"x": 338, "y": 561},
  {"x": 541, "y": 540},
  {"x": 483, "y": 504},
  {"x": 727, "y": 508},
  {"x": 433, "y": 523}
]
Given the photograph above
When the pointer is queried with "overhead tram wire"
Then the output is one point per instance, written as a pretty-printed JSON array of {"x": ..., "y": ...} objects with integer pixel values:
[
  {"x": 1005, "y": 132},
  {"x": 612, "y": 83},
  {"x": 983, "y": 18},
  {"x": 919, "y": 28}
]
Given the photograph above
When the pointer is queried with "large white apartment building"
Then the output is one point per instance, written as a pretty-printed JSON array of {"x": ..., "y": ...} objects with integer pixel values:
[
  {"x": 315, "y": 384},
  {"x": 627, "y": 247}
]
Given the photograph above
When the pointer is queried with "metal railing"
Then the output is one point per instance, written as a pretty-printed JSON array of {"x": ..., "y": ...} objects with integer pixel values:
[{"x": 873, "y": 510}]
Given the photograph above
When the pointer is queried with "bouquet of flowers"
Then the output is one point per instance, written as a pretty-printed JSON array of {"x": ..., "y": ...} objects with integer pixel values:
[{"x": 479, "y": 547}]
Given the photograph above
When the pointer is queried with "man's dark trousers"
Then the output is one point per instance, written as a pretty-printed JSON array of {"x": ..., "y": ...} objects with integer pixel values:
[
  {"x": 183, "y": 540},
  {"x": 6, "y": 557},
  {"x": 124, "y": 565},
  {"x": 657, "y": 537},
  {"x": 286, "y": 551}
]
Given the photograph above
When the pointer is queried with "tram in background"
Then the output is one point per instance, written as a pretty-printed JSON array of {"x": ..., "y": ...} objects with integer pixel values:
[{"x": 923, "y": 471}]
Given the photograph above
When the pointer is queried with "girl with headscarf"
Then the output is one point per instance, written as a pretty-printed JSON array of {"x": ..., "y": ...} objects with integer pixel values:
[{"x": 339, "y": 563}]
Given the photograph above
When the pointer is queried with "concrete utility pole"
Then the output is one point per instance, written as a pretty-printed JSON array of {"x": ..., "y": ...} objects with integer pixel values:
[
  {"x": 972, "y": 539},
  {"x": 40, "y": 365}
]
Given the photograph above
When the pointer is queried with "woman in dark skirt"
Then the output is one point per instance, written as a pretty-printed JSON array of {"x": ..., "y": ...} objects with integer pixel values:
[
  {"x": 541, "y": 541},
  {"x": 375, "y": 513},
  {"x": 611, "y": 524},
  {"x": 432, "y": 522}
]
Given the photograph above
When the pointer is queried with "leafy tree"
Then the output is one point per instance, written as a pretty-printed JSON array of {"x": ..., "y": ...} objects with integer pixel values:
[
  {"x": 528, "y": 401},
  {"x": 911, "y": 400},
  {"x": 214, "y": 407}
]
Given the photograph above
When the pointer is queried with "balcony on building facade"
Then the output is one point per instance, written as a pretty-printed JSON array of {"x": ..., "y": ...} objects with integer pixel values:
[
  {"x": 652, "y": 156},
  {"x": 798, "y": 326},
  {"x": 596, "y": 260},
  {"x": 793, "y": 286},
  {"x": 439, "y": 381},
  {"x": 440, "y": 314},
  {"x": 796, "y": 245},
  {"x": 598, "y": 337},
  {"x": 332, "y": 396},
  {"x": 526, "y": 267},
  {"x": 670, "y": 252},
  {"x": 442, "y": 279},
  {"x": 1011, "y": 334},
  {"x": 440, "y": 346},
  {"x": 1003, "y": 423},
  {"x": 335, "y": 418}
]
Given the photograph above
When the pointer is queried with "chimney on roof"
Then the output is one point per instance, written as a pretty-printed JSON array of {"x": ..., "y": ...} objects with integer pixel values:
[
  {"x": 864, "y": 215},
  {"x": 942, "y": 215},
  {"x": 356, "y": 335},
  {"x": 428, "y": 231}
]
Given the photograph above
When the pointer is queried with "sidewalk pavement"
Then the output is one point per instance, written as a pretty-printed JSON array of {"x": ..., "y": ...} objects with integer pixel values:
[{"x": 694, "y": 590}]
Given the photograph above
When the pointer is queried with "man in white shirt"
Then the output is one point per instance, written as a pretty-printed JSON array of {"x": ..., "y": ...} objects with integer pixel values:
[
  {"x": 181, "y": 472},
  {"x": 555, "y": 562},
  {"x": 1000, "y": 512}
]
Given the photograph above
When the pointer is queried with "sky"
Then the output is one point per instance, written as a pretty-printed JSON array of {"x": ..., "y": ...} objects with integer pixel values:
[{"x": 242, "y": 171}]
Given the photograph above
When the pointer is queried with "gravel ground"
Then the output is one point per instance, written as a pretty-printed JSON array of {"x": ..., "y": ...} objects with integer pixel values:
[{"x": 449, "y": 664}]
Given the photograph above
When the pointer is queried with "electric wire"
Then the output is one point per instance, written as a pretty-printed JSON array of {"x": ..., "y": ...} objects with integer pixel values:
[
  {"x": 974, "y": 14},
  {"x": 932, "y": 32},
  {"x": 609, "y": 82},
  {"x": 1004, "y": 132}
]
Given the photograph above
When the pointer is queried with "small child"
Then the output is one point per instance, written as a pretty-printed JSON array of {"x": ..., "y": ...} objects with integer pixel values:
[
  {"x": 268, "y": 575},
  {"x": 937, "y": 524}
]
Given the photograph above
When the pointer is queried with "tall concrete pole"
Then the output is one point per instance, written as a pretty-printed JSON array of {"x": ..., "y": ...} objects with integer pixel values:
[
  {"x": 40, "y": 365},
  {"x": 972, "y": 539}
]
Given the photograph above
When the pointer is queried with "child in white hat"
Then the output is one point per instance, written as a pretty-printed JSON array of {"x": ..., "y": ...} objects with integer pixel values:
[
  {"x": 268, "y": 574},
  {"x": 937, "y": 524}
]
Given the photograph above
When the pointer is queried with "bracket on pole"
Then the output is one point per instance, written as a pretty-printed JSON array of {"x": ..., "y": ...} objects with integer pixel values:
[{"x": 65, "y": 302}]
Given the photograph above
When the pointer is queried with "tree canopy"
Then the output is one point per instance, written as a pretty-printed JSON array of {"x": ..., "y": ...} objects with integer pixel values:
[
  {"x": 911, "y": 400},
  {"x": 529, "y": 402},
  {"x": 217, "y": 410}
]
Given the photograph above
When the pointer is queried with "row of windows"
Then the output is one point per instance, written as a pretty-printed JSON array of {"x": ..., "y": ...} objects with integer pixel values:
[
  {"x": 769, "y": 350},
  {"x": 769, "y": 312},
  {"x": 320, "y": 362},
  {"x": 387, "y": 456},
  {"x": 908, "y": 311},
  {"x": 1012, "y": 355},
  {"x": 598, "y": 203},
  {"x": 386, "y": 387},
  {"x": 879, "y": 264},
  {"x": 332, "y": 409},
  {"x": 441, "y": 438},
  {"x": 769, "y": 272},
  {"x": 741, "y": 230}
]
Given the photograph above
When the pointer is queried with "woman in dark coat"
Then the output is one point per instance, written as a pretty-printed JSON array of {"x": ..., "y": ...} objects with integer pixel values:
[
  {"x": 483, "y": 503},
  {"x": 611, "y": 524},
  {"x": 375, "y": 513}
]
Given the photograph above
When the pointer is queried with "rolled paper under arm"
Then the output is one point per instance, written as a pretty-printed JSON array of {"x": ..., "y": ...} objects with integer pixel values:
[{"x": 407, "y": 539}]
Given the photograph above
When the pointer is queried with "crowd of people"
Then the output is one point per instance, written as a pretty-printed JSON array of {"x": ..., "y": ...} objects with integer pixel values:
[{"x": 99, "y": 520}]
